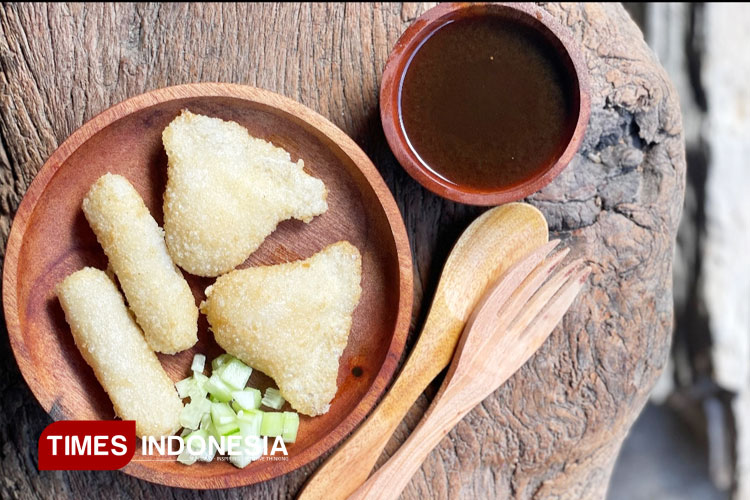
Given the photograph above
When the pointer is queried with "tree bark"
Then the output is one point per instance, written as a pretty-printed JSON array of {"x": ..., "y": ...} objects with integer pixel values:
[{"x": 554, "y": 430}]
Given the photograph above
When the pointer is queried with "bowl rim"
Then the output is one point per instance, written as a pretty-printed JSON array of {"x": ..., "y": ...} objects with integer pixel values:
[
  {"x": 295, "y": 111},
  {"x": 397, "y": 64}
]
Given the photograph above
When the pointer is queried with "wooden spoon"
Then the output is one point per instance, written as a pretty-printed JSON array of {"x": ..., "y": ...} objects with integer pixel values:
[
  {"x": 508, "y": 326},
  {"x": 486, "y": 249}
]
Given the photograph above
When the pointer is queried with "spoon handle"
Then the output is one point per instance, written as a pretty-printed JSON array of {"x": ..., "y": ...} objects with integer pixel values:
[
  {"x": 476, "y": 372},
  {"x": 351, "y": 464},
  {"x": 446, "y": 410}
]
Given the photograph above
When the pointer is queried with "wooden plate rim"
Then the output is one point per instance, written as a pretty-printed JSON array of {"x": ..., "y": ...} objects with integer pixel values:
[{"x": 296, "y": 110}]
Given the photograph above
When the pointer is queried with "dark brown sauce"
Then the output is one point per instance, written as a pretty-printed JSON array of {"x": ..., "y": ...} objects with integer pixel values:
[{"x": 487, "y": 103}]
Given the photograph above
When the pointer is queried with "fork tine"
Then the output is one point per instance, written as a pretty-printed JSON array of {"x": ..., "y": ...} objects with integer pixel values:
[
  {"x": 550, "y": 316},
  {"x": 517, "y": 349},
  {"x": 499, "y": 292},
  {"x": 527, "y": 288},
  {"x": 542, "y": 297}
]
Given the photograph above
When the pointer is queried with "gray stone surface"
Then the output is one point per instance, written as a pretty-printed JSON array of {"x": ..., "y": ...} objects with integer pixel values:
[{"x": 662, "y": 459}]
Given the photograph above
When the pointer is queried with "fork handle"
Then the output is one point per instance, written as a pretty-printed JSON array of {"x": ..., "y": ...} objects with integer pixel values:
[
  {"x": 350, "y": 465},
  {"x": 447, "y": 409}
]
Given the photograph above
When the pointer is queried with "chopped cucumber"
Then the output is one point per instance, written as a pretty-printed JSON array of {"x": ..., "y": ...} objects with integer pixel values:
[
  {"x": 211, "y": 430},
  {"x": 209, "y": 414},
  {"x": 220, "y": 360},
  {"x": 206, "y": 420},
  {"x": 199, "y": 363},
  {"x": 272, "y": 424},
  {"x": 272, "y": 398},
  {"x": 186, "y": 457},
  {"x": 197, "y": 392},
  {"x": 209, "y": 448},
  {"x": 234, "y": 373},
  {"x": 210, "y": 452},
  {"x": 224, "y": 419},
  {"x": 290, "y": 426},
  {"x": 245, "y": 456},
  {"x": 249, "y": 399},
  {"x": 198, "y": 447},
  {"x": 184, "y": 387},
  {"x": 203, "y": 404},
  {"x": 200, "y": 379},
  {"x": 191, "y": 414},
  {"x": 250, "y": 422},
  {"x": 218, "y": 389}
]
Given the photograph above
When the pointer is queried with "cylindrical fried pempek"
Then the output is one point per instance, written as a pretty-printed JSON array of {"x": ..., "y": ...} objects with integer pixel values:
[
  {"x": 156, "y": 291},
  {"x": 112, "y": 344}
]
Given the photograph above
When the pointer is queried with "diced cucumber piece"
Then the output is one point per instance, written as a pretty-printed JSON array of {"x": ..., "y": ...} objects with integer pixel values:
[
  {"x": 242, "y": 459},
  {"x": 211, "y": 430},
  {"x": 245, "y": 456},
  {"x": 210, "y": 452},
  {"x": 186, "y": 457},
  {"x": 209, "y": 449},
  {"x": 272, "y": 398},
  {"x": 199, "y": 363},
  {"x": 191, "y": 414},
  {"x": 197, "y": 392},
  {"x": 218, "y": 389},
  {"x": 185, "y": 432},
  {"x": 203, "y": 404},
  {"x": 250, "y": 422},
  {"x": 184, "y": 387},
  {"x": 290, "y": 426},
  {"x": 200, "y": 379},
  {"x": 197, "y": 447},
  {"x": 199, "y": 386},
  {"x": 248, "y": 399},
  {"x": 224, "y": 419},
  {"x": 227, "y": 429},
  {"x": 235, "y": 373},
  {"x": 206, "y": 420},
  {"x": 219, "y": 410},
  {"x": 272, "y": 424},
  {"x": 220, "y": 360}
]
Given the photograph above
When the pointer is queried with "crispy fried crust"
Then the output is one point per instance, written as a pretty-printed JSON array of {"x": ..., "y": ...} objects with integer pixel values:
[
  {"x": 112, "y": 344},
  {"x": 227, "y": 191},
  {"x": 156, "y": 291},
  {"x": 291, "y": 321}
]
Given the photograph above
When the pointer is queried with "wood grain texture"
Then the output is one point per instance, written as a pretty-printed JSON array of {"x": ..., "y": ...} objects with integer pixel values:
[{"x": 554, "y": 429}]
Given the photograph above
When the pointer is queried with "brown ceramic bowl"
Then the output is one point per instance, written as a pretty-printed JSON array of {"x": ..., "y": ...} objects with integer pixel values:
[{"x": 525, "y": 14}]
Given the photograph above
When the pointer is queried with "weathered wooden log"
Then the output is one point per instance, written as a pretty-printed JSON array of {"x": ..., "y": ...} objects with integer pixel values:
[{"x": 554, "y": 430}]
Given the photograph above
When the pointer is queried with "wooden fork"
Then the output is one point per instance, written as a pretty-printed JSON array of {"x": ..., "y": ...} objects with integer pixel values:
[{"x": 508, "y": 325}]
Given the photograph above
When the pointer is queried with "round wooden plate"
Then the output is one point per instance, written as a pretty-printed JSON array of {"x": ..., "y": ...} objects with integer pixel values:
[{"x": 50, "y": 239}]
